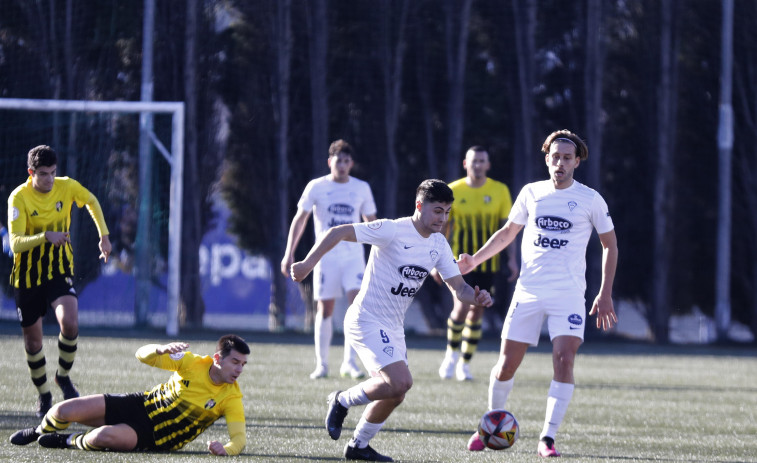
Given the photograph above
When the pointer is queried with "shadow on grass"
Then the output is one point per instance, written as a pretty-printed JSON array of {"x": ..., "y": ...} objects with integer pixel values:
[{"x": 640, "y": 458}]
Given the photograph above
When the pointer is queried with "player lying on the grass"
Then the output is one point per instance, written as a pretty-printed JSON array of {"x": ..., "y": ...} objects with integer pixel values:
[
  {"x": 402, "y": 253},
  {"x": 202, "y": 389}
]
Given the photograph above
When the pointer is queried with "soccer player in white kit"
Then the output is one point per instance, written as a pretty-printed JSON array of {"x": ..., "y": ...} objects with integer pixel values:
[
  {"x": 333, "y": 199},
  {"x": 403, "y": 252},
  {"x": 557, "y": 216}
]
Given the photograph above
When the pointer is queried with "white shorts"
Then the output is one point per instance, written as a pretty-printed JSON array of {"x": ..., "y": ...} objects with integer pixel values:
[
  {"x": 566, "y": 316},
  {"x": 375, "y": 344},
  {"x": 336, "y": 274}
]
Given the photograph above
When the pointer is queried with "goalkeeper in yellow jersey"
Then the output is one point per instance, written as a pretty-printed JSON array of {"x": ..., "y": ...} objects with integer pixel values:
[
  {"x": 167, "y": 417},
  {"x": 39, "y": 219}
]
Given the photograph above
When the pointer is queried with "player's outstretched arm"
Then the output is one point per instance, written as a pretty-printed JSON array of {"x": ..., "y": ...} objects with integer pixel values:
[
  {"x": 331, "y": 238},
  {"x": 603, "y": 306},
  {"x": 105, "y": 248},
  {"x": 172, "y": 348},
  {"x": 467, "y": 294},
  {"x": 496, "y": 243}
]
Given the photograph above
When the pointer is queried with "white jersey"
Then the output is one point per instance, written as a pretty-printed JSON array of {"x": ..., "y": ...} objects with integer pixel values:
[
  {"x": 558, "y": 225},
  {"x": 334, "y": 203},
  {"x": 399, "y": 262}
]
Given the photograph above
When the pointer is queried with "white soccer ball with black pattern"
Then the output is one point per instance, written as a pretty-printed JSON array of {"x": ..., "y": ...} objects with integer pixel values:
[{"x": 498, "y": 429}]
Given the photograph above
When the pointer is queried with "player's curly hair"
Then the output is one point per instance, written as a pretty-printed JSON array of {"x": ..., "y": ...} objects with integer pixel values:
[
  {"x": 582, "y": 151},
  {"x": 41, "y": 156},
  {"x": 231, "y": 342},
  {"x": 434, "y": 191}
]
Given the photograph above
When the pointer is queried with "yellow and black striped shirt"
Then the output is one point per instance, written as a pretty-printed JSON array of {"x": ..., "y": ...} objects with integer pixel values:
[
  {"x": 475, "y": 215},
  {"x": 188, "y": 403},
  {"x": 32, "y": 213}
]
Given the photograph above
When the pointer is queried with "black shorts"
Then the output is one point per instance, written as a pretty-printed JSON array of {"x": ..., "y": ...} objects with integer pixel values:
[
  {"x": 484, "y": 280},
  {"x": 32, "y": 303},
  {"x": 129, "y": 409}
]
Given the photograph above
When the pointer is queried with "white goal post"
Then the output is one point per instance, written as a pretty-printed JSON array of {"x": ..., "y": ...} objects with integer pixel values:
[{"x": 175, "y": 158}]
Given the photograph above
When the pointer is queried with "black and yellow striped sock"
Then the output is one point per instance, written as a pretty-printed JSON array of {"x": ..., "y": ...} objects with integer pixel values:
[
  {"x": 79, "y": 441},
  {"x": 53, "y": 424},
  {"x": 36, "y": 363},
  {"x": 471, "y": 335},
  {"x": 454, "y": 334},
  {"x": 66, "y": 353}
]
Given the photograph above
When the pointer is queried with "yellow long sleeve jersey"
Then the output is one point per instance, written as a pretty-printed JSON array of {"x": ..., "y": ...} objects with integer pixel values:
[
  {"x": 31, "y": 214},
  {"x": 189, "y": 402}
]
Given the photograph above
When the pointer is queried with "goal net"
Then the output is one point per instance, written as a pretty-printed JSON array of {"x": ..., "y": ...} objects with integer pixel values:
[{"x": 98, "y": 144}]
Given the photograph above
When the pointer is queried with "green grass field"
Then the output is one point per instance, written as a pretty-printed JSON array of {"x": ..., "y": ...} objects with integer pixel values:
[{"x": 632, "y": 402}]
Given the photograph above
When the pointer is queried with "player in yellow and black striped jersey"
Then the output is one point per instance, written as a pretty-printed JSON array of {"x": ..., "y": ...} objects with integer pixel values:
[
  {"x": 165, "y": 418},
  {"x": 481, "y": 207},
  {"x": 39, "y": 219}
]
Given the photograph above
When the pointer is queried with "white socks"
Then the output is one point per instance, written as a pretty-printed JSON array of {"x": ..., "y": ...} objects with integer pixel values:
[
  {"x": 364, "y": 432},
  {"x": 499, "y": 390},
  {"x": 323, "y": 332},
  {"x": 558, "y": 400},
  {"x": 354, "y": 396}
]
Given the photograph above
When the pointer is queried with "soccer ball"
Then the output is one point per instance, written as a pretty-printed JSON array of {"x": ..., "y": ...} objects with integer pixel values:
[{"x": 498, "y": 429}]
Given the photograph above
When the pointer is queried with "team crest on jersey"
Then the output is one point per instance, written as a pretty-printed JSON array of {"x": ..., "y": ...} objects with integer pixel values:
[
  {"x": 177, "y": 355},
  {"x": 14, "y": 214},
  {"x": 487, "y": 199},
  {"x": 434, "y": 255},
  {"x": 210, "y": 404},
  {"x": 59, "y": 206},
  {"x": 572, "y": 205},
  {"x": 375, "y": 225},
  {"x": 389, "y": 350}
]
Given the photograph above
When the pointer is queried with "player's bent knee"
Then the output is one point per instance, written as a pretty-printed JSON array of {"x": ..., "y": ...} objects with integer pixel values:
[{"x": 118, "y": 437}]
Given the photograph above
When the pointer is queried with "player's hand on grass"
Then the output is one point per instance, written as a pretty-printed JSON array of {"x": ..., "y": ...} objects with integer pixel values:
[
  {"x": 465, "y": 263},
  {"x": 57, "y": 238},
  {"x": 216, "y": 448},
  {"x": 605, "y": 311},
  {"x": 105, "y": 248},
  {"x": 172, "y": 348},
  {"x": 482, "y": 297}
]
